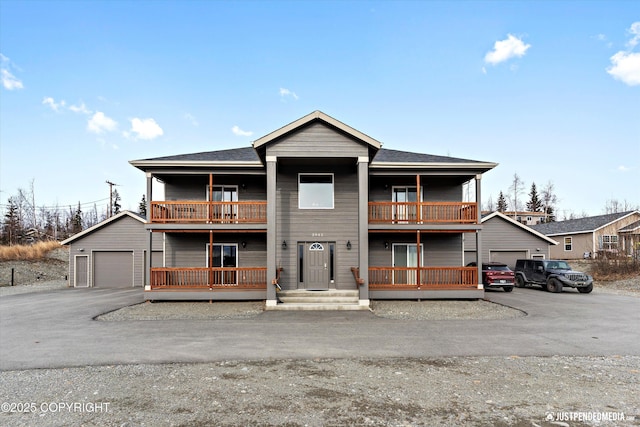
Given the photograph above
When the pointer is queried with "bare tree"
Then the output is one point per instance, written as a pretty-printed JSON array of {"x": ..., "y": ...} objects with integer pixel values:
[
  {"x": 549, "y": 200},
  {"x": 615, "y": 206},
  {"x": 490, "y": 206},
  {"x": 517, "y": 187}
]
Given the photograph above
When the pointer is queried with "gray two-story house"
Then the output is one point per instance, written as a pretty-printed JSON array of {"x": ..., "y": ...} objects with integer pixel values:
[{"x": 315, "y": 207}]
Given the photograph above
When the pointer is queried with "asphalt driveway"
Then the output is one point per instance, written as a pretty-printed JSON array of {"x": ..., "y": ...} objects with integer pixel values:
[{"x": 56, "y": 329}]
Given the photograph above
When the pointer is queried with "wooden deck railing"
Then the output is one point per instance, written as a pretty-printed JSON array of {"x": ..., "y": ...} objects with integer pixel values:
[
  {"x": 406, "y": 278},
  {"x": 242, "y": 278},
  {"x": 423, "y": 212},
  {"x": 250, "y": 212},
  {"x": 356, "y": 275}
]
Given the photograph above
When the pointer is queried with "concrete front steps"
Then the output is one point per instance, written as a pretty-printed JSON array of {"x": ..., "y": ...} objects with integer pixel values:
[{"x": 331, "y": 299}]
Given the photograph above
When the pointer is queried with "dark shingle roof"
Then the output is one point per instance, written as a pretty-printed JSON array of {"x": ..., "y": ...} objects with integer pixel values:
[
  {"x": 245, "y": 154},
  {"x": 631, "y": 227},
  {"x": 578, "y": 225},
  {"x": 387, "y": 155},
  {"x": 248, "y": 154}
]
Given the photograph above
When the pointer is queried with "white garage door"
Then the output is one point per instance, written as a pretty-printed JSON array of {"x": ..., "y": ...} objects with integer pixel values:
[
  {"x": 507, "y": 257},
  {"x": 113, "y": 269}
]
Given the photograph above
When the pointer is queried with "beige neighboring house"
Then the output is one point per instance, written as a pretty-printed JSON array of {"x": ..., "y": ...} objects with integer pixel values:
[
  {"x": 526, "y": 218},
  {"x": 617, "y": 233}
]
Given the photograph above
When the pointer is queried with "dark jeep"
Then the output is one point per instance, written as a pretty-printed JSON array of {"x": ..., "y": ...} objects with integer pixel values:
[{"x": 552, "y": 275}]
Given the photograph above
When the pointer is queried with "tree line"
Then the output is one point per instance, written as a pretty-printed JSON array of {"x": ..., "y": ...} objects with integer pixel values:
[{"x": 24, "y": 222}]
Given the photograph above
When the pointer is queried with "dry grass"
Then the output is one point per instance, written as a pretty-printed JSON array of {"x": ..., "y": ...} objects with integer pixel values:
[
  {"x": 33, "y": 252},
  {"x": 615, "y": 268}
]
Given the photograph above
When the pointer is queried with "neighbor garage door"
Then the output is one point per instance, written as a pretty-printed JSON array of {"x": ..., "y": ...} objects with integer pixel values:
[
  {"x": 507, "y": 257},
  {"x": 113, "y": 269}
]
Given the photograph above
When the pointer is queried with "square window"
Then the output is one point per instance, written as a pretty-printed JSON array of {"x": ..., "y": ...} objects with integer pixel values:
[
  {"x": 568, "y": 244},
  {"x": 315, "y": 191}
]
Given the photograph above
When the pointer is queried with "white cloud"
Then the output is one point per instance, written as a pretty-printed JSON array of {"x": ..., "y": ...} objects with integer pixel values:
[
  {"x": 55, "y": 106},
  {"x": 237, "y": 131},
  {"x": 625, "y": 65},
  {"x": 145, "y": 129},
  {"x": 635, "y": 31},
  {"x": 9, "y": 81},
  {"x": 287, "y": 93},
  {"x": 99, "y": 123},
  {"x": 82, "y": 108},
  {"x": 623, "y": 168},
  {"x": 504, "y": 50}
]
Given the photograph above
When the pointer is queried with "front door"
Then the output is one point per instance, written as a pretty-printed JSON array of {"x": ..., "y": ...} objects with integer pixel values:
[{"x": 317, "y": 265}]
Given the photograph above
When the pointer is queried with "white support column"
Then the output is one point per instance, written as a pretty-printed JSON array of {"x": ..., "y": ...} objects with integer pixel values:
[
  {"x": 363, "y": 228},
  {"x": 479, "y": 258},
  {"x": 272, "y": 299}
]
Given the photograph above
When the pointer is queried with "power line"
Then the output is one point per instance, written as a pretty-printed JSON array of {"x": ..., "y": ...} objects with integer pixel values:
[{"x": 61, "y": 205}]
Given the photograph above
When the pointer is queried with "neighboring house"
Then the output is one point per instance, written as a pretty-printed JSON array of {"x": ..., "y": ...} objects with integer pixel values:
[
  {"x": 611, "y": 233},
  {"x": 315, "y": 205},
  {"x": 506, "y": 240},
  {"x": 111, "y": 254},
  {"x": 527, "y": 218}
]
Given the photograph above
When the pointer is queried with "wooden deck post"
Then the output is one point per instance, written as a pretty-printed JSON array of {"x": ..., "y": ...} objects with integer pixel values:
[
  {"x": 418, "y": 200},
  {"x": 419, "y": 260}
]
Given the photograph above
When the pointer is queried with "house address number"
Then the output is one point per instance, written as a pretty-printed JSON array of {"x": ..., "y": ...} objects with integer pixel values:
[{"x": 317, "y": 234}]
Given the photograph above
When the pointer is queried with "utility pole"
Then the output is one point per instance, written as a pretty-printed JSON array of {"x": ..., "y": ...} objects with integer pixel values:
[{"x": 111, "y": 184}]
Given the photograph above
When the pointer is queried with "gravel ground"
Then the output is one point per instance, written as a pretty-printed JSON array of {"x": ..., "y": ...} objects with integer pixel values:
[
  {"x": 476, "y": 391},
  {"x": 471, "y": 391}
]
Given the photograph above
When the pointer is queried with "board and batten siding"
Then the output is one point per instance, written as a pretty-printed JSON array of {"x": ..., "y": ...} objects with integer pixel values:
[
  {"x": 317, "y": 140},
  {"x": 123, "y": 234},
  {"x": 501, "y": 235},
  {"x": 339, "y": 225}
]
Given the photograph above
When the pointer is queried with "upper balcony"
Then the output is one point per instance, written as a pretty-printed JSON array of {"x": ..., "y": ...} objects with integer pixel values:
[
  {"x": 423, "y": 213},
  {"x": 208, "y": 212}
]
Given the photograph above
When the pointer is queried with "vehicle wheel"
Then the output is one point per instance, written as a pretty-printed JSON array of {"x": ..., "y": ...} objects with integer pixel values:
[
  {"x": 507, "y": 288},
  {"x": 553, "y": 285},
  {"x": 520, "y": 282},
  {"x": 586, "y": 289}
]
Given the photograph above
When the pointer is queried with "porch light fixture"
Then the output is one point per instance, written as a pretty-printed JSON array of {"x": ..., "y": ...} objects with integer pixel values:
[
  {"x": 244, "y": 245},
  {"x": 386, "y": 245},
  {"x": 284, "y": 244},
  {"x": 349, "y": 244},
  {"x": 243, "y": 186}
]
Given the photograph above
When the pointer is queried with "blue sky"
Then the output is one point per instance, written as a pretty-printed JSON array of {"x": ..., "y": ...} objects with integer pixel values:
[{"x": 549, "y": 90}]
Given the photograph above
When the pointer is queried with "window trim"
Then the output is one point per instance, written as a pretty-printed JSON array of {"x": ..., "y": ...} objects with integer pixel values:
[
  {"x": 569, "y": 244},
  {"x": 333, "y": 190}
]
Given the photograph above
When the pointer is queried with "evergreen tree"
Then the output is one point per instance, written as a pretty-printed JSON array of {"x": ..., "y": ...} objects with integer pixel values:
[
  {"x": 11, "y": 229},
  {"x": 142, "y": 207},
  {"x": 534, "y": 204},
  {"x": 76, "y": 222},
  {"x": 502, "y": 203},
  {"x": 116, "y": 202}
]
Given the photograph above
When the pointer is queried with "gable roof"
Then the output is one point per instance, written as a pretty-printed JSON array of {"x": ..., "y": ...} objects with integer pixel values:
[
  {"x": 104, "y": 223},
  {"x": 500, "y": 215},
  {"x": 581, "y": 225},
  {"x": 634, "y": 226},
  {"x": 316, "y": 116}
]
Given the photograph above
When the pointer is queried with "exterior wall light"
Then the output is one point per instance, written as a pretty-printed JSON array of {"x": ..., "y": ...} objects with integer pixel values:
[
  {"x": 284, "y": 244},
  {"x": 349, "y": 244}
]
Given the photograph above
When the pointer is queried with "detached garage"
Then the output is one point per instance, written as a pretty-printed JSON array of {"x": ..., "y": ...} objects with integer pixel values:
[
  {"x": 112, "y": 254},
  {"x": 506, "y": 240}
]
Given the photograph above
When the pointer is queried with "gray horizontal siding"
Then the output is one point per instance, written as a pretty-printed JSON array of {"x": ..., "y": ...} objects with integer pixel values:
[
  {"x": 123, "y": 234},
  {"x": 317, "y": 140},
  {"x": 440, "y": 250},
  {"x": 338, "y": 225},
  {"x": 500, "y": 235},
  {"x": 434, "y": 189},
  {"x": 195, "y": 187},
  {"x": 190, "y": 249}
]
